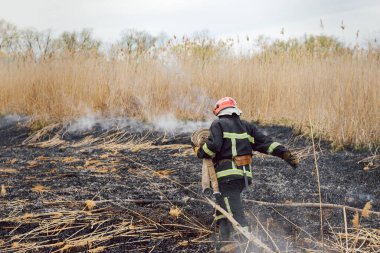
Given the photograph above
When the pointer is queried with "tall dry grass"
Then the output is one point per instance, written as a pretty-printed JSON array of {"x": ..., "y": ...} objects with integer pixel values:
[{"x": 340, "y": 93}]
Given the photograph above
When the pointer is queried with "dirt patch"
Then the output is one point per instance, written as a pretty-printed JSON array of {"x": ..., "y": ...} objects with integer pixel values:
[{"x": 145, "y": 185}]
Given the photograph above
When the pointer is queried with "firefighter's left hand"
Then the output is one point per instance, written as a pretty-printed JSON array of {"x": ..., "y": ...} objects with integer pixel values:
[{"x": 291, "y": 159}]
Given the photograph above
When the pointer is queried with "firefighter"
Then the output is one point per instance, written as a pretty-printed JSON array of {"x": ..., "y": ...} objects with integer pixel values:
[{"x": 230, "y": 145}]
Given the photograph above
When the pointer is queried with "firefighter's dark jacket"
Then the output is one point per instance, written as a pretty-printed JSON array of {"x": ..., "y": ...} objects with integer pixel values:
[{"x": 229, "y": 137}]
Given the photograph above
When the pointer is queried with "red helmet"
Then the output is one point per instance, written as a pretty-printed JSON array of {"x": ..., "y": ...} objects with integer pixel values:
[{"x": 223, "y": 103}]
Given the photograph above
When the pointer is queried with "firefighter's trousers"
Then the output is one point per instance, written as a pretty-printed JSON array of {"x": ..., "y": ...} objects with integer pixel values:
[{"x": 230, "y": 200}]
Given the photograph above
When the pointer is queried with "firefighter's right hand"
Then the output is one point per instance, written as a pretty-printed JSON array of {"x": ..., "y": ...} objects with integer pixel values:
[
  {"x": 291, "y": 159},
  {"x": 196, "y": 151}
]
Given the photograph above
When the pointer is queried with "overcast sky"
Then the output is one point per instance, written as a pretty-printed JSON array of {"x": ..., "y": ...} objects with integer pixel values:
[{"x": 221, "y": 18}]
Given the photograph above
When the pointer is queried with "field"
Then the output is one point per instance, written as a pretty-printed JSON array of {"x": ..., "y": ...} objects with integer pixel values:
[
  {"x": 95, "y": 151},
  {"x": 137, "y": 189}
]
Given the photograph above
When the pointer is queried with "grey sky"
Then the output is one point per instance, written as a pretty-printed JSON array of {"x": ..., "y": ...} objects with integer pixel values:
[{"x": 221, "y": 17}]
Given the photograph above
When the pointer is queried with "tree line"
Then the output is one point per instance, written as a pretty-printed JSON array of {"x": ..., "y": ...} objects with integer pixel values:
[{"x": 29, "y": 43}]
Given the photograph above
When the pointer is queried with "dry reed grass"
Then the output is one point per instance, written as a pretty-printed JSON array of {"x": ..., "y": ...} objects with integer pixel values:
[
  {"x": 53, "y": 225},
  {"x": 90, "y": 204},
  {"x": 363, "y": 240},
  {"x": 40, "y": 188},
  {"x": 339, "y": 92},
  {"x": 357, "y": 238}
]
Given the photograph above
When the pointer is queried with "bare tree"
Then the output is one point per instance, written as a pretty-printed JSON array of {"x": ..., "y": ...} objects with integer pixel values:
[
  {"x": 34, "y": 44},
  {"x": 45, "y": 45},
  {"x": 9, "y": 37},
  {"x": 135, "y": 43},
  {"x": 74, "y": 42}
]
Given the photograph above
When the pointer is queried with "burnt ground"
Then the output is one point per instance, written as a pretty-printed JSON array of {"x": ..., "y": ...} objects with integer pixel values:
[{"x": 145, "y": 188}]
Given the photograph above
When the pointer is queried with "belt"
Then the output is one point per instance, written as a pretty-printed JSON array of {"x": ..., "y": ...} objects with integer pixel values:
[
  {"x": 224, "y": 161},
  {"x": 238, "y": 160}
]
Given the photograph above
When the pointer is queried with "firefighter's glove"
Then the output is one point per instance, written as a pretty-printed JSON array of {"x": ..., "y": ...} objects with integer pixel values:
[
  {"x": 196, "y": 150},
  {"x": 291, "y": 159}
]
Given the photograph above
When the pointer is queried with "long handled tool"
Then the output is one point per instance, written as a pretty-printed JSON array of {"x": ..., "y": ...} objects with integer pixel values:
[{"x": 245, "y": 177}]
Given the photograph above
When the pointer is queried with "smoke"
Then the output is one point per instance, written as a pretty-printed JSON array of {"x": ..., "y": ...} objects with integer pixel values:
[
  {"x": 169, "y": 62},
  {"x": 169, "y": 123},
  {"x": 83, "y": 124},
  {"x": 94, "y": 120},
  {"x": 11, "y": 119},
  {"x": 195, "y": 101},
  {"x": 166, "y": 123}
]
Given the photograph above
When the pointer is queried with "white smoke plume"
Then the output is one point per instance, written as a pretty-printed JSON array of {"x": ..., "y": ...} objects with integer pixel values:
[
  {"x": 169, "y": 123},
  {"x": 93, "y": 120},
  {"x": 166, "y": 123},
  {"x": 11, "y": 119}
]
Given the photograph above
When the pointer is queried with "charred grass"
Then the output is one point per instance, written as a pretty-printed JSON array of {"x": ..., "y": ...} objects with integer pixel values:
[{"x": 129, "y": 191}]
